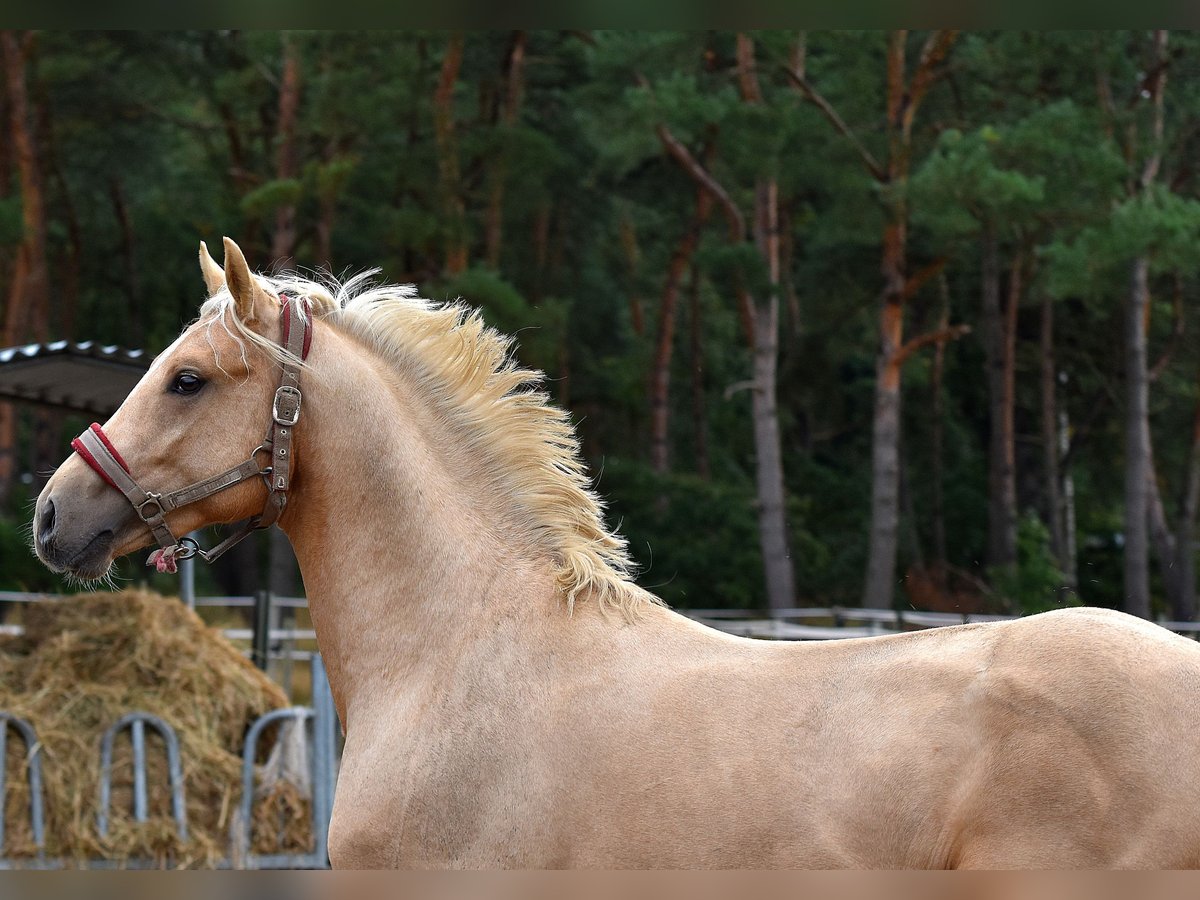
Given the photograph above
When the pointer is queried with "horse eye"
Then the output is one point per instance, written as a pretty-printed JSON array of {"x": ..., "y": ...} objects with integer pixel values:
[{"x": 187, "y": 383}]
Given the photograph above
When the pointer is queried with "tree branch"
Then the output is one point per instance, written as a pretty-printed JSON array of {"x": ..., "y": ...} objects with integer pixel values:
[
  {"x": 799, "y": 59},
  {"x": 896, "y": 81},
  {"x": 1104, "y": 92},
  {"x": 933, "y": 54},
  {"x": 738, "y": 386},
  {"x": 1153, "y": 85},
  {"x": 917, "y": 281},
  {"x": 733, "y": 216},
  {"x": 1177, "y": 329},
  {"x": 801, "y": 83},
  {"x": 747, "y": 70},
  {"x": 941, "y": 335},
  {"x": 691, "y": 165}
]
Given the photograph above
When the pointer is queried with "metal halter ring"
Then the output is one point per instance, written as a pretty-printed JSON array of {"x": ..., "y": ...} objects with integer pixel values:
[
  {"x": 186, "y": 548},
  {"x": 156, "y": 500},
  {"x": 264, "y": 448}
]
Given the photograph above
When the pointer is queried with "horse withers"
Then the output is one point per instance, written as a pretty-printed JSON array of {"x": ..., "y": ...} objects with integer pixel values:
[{"x": 511, "y": 698}]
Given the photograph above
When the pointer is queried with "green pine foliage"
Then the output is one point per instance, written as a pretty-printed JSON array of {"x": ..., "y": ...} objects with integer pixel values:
[{"x": 1013, "y": 139}]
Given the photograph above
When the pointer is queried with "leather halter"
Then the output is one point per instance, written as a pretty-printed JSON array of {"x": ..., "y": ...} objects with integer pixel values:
[{"x": 98, "y": 452}]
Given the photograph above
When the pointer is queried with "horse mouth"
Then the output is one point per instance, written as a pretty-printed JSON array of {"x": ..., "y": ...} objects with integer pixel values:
[{"x": 89, "y": 562}]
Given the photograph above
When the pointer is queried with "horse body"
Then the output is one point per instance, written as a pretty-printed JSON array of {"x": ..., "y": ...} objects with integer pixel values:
[
  {"x": 668, "y": 746},
  {"x": 510, "y": 699}
]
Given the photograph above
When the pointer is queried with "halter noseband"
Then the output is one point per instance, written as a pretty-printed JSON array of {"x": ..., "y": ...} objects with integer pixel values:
[{"x": 98, "y": 452}]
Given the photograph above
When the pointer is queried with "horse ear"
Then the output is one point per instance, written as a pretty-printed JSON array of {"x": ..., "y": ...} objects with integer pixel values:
[
  {"x": 251, "y": 300},
  {"x": 214, "y": 278}
]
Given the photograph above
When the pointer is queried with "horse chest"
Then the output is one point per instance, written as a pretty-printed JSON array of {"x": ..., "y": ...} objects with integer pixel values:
[{"x": 433, "y": 795}]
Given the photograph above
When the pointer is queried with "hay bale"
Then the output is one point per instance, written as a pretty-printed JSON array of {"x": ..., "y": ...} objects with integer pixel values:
[{"x": 85, "y": 661}]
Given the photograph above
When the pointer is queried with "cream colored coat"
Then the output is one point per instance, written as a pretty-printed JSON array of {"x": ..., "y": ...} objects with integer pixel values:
[{"x": 490, "y": 722}]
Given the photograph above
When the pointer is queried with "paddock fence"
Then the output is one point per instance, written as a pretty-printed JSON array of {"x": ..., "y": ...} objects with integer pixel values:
[
  {"x": 273, "y": 640},
  {"x": 318, "y": 721},
  {"x": 838, "y": 622}
]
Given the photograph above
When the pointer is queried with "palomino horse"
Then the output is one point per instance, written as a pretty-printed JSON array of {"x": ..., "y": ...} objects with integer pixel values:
[{"x": 511, "y": 698}]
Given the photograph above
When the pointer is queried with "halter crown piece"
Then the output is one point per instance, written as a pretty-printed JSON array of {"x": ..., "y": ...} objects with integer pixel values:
[{"x": 98, "y": 452}]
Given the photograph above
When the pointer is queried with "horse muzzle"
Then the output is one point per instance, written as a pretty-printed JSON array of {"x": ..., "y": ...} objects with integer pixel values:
[{"x": 77, "y": 530}]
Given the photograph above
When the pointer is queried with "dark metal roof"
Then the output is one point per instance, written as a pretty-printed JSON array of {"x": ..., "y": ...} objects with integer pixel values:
[{"x": 85, "y": 377}]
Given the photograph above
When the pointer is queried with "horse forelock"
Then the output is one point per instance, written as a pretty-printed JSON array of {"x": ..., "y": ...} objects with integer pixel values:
[{"x": 468, "y": 370}]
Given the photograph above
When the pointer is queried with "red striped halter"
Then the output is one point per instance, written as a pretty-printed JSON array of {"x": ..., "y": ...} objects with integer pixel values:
[{"x": 152, "y": 508}]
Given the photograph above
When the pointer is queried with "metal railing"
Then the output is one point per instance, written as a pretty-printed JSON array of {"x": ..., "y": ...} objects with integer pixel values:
[
  {"x": 33, "y": 775},
  {"x": 319, "y": 722},
  {"x": 321, "y": 718},
  {"x": 136, "y": 722}
]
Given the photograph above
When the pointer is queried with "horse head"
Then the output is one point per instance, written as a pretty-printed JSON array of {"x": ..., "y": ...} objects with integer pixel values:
[{"x": 202, "y": 408}]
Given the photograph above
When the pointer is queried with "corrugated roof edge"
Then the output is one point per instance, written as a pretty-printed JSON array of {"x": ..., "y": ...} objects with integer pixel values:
[{"x": 133, "y": 357}]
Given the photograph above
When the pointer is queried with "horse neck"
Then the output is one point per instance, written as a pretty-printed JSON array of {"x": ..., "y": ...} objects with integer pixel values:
[{"x": 402, "y": 567}]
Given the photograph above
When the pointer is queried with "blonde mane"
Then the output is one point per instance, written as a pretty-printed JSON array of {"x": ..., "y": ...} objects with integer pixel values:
[{"x": 526, "y": 447}]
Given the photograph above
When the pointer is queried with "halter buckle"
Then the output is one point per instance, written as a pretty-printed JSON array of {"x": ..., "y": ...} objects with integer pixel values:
[
  {"x": 157, "y": 510},
  {"x": 285, "y": 409}
]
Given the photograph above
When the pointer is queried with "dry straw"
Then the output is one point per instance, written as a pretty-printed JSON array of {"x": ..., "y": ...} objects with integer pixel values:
[{"x": 84, "y": 662}]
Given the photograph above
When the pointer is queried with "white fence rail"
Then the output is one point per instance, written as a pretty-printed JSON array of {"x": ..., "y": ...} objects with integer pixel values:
[
  {"x": 810, "y": 623},
  {"x": 833, "y": 622}
]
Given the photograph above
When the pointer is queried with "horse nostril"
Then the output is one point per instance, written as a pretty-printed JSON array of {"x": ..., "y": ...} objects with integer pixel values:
[{"x": 46, "y": 522}]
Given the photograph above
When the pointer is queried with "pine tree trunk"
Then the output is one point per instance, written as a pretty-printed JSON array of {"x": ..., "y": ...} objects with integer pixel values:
[
  {"x": 1143, "y": 505},
  {"x": 282, "y": 568},
  {"x": 908, "y": 511},
  {"x": 1070, "y": 531},
  {"x": 878, "y": 590},
  {"x": 562, "y": 378},
  {"x": 772, "y": 492},
  {"x": 1162, "y": 537},
  {"x": 283, "y": 239},
  {"x": 772, "y": 504},
  {"x": 541, "y": 244},
  {"x": 627, "y": 233},
  {"x": 1184, "y": 605},
  {"x": 761, "y": 320},
  {"x": 1137, "y": 445},
  {"x": 699, "y": 411},
  {"x": 72, "y": 263},
  {"x": 326, "y": 212},
  {"x": 764, "y": 314},
  {"x": 62, "y": 316},
  {"x": 1050, "y": 450},
  {"x": 26, "y": 312},
  {"x": 904, "y": 97},
  {"x": 787, "y": 249},
  {"x": 514, "y": 84},
  {"x": 6, "y": 182},
  {"x": 27, "y": 309},
  {"x": 133, "y": 292},
  {"x": 999, "y": 344},
  {"x": 327, "y": 202},
  {"x": 453, "y": 207},
  {"x": 660, "y": 370},
  {"x": 938, "y": 428},
  {"x": 1009, "y": 397}
]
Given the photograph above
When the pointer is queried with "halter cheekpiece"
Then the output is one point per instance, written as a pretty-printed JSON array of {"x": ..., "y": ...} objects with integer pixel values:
[{"x": 98, "y": 452}]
